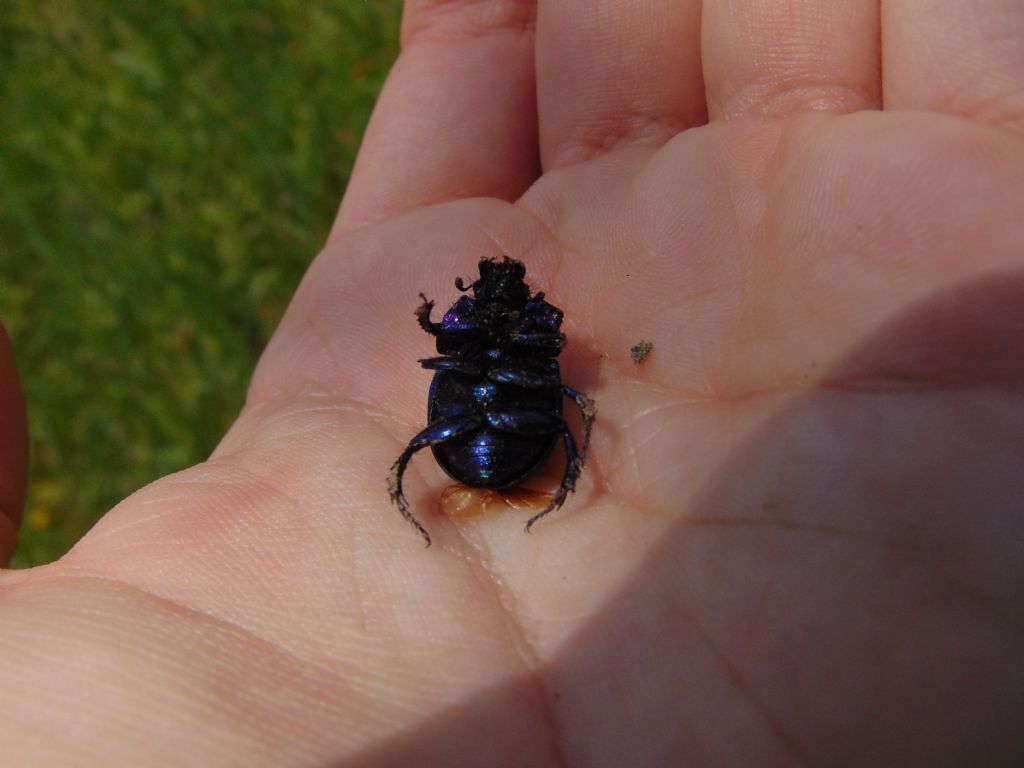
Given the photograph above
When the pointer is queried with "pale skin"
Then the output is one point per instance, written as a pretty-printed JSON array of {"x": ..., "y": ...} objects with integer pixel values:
[{"x": 798, "y": 537}]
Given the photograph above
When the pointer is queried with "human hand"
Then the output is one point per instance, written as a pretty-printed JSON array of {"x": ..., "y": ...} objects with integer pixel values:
[{"x": 798, "y": 536}]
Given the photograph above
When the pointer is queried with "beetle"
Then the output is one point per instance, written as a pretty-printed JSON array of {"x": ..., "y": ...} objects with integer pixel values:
[{"x": 494, "y": 410}]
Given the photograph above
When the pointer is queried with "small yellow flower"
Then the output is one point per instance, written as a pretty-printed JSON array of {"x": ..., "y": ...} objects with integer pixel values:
[{"x": 39, "y": 518}]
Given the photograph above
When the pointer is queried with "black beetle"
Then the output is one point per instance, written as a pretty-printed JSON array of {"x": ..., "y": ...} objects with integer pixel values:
[{"x": 494, "y": 409}]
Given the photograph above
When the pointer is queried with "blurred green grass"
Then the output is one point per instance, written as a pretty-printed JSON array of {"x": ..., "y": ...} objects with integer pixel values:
[{"x": 167, "y": 171}]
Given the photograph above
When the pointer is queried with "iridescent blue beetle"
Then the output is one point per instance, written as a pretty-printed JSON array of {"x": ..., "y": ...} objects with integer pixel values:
[{"x": 495, "y": 404}]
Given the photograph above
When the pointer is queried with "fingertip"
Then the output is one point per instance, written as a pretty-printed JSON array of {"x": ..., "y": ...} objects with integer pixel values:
[{"x": 457, "y": 116}]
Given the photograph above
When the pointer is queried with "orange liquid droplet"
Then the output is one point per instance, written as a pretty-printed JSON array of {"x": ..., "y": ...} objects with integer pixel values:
[{"x": 464, "y": 502}]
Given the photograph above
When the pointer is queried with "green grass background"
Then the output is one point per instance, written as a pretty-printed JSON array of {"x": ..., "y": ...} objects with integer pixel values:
[{"x": 168, "y": 168}]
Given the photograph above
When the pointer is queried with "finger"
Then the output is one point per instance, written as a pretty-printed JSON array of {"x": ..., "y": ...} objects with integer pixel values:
[
  {"x": 457, "y": 116},
  {"x": 956, "y": 57},
  {"x": 13, "y": 449},
  {"x": 783, "y": 57},
  {"x": 611, "y": 74}
]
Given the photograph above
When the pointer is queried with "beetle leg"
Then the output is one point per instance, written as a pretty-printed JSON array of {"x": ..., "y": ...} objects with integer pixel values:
[
  {"x": 423, "y": 317},
  {"x": 471, "y": 367},
  {"x": 438, "y": 432},
  {"x": 588, "y": 408},
  {"x": 573, "y": 464},
  {"x": 535, "y": 423},
  {"x": 522, "y": 377}
]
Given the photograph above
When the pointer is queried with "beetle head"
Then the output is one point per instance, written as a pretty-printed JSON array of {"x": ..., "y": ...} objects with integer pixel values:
[{"x": 500, "y": 282}]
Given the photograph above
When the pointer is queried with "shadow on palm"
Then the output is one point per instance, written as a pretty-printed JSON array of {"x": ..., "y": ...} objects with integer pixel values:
[{"x": 839, "y": 609}]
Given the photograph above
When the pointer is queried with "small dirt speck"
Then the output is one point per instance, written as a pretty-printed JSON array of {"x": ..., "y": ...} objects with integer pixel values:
[{"x": 640, "y": 351}]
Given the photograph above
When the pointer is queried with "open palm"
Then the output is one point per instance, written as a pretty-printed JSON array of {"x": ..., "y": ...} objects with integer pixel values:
[{"x": 799, "y": 537}]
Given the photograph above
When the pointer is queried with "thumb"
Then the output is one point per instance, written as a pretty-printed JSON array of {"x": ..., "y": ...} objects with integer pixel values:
[{"x": 13, "y": 449}]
